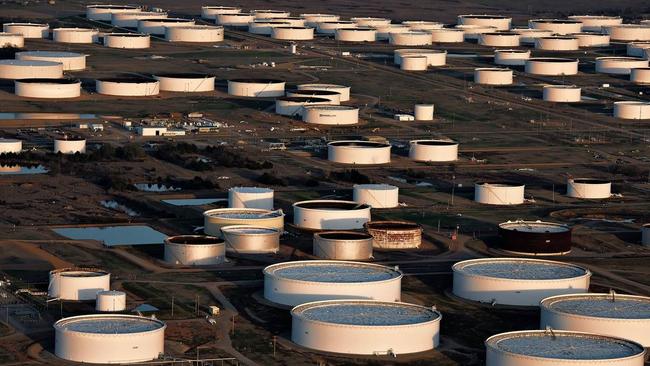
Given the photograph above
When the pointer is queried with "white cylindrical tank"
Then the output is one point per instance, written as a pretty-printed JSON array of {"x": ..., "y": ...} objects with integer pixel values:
[
  {"x": 637, "y": 49},
  {"x": 130, "y": 20},
  {"x": 595, "y": 23},
  {"x": 103, "y": 12},
  {"x": 211, "y": 12},
  {"x": 14, "y": 40},
  {"x": 109, "y": 338},
  {"x": 383, "y": 32},
  {"x": 295, "y": 283},
  {"x": 370, "y": 22},
  {"x": 270, "y": 14},
  {"x": 499, "y": 193},
  {"x": 10, "y": 146},
  {"x": 333, "y": 96},
  {"x": 528, "y": 35},
  {"x": 28, "y": 30},
  {"x": 517, "y": 281},
  {"x": 557, "y": 43},
  {"x": 75, "y": 35},
  {"x": 493, "y": 76},
  {"x": 157, "y": 26},
  {"x": 248, "y": 239},
  {"x": 423, "y": 112},
  {"x": 214, "y": 220},
  {"x": 71, "y": 61},
  {"x": 330, "y": 115},
  {"x": 185, "y": 82},
  {"x": 295, "y": 106},
  {"x": 292, "y": 33},
  {"x": 194, "y": 250},
  {"x": 127, "y": 40},
  {"x": 27, "y": 69},
  {"x": 250, "y": 197},
  {"x": 591, "y": 39},
  {"x": 235, "y": 20},
  {"x": 632, "y": 110},
  {"x": 330, "y": 215},
  {"x": 499, "y": 39},
  {"x": 447, "y": 35},
  {"x": 616, "y": 315},
  {"x": 511, "y": 57},
  {"x": 413, "y": 63},
  {"x": 330, "y": 27},
  {"x": 194, "y": 33},
  {"x": 358, "y": 152},
  {"x": 355, "y": 34},
  {"x": 557, "y": 26},
  {"x": 556, "y": 347},
  {"x": 645, "y": 235},
  {"x": 619, "y": 65},
  {"x": 312, "y": 19},
  {"x": 561, "y": 93},
  {"x": 473, "y": 32},
  {"x": 48, "y": 88},
  {"x": 434, "y": 57},
  {"x": 423, "y": 25},
  {"x": 256, "y": 88},
  {"x": 343, "y": 245},
  {"x": 551, "y": 66},
  {"x": 376, "y": 195},
  {"x": 128, "y": 87},
  {"x": 499, "y": 22},
  {"x": 628, "y": 32},
  {"x": 365, "y": 327},
  {"x": 344, "y": 91},
  {"x": 410, "y": 38},
  {"x": 264, "y": 26},
  {"x": 110, "y": 301},
  {"x": 588, "y": 188},
  {"x": 292, "y": 21},
  {"x": 433, "y": 150},
  {"x": 77, "y": 284},
  {"x": 70, "y": 145}
]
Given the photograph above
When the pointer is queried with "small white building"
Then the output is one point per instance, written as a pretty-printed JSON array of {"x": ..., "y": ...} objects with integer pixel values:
[
  {"x": 151, "y": 130},
  {"x": 404, "y": 117}
]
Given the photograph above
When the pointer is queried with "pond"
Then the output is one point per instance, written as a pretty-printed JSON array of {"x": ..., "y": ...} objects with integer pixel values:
[
  {"x": 114, "y": 235},
  {"x": 19, "y": 169}
]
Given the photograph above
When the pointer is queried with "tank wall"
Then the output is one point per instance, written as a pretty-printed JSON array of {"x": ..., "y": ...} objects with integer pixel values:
[
  {"x": 410, "y": 39},
  {"x": 198, "y": 35},
  {"x": 158, "y": 28},
  {"x": 110, "y": 303},
  {"x": 492, "y": 77},
  {"x": 508, "y": 59},
  {"x": 396, "y": 239},
  {"x": 331, "y": 116},
  {"x": 551, "y": 68},
  {"x": 492, "y": 40},
  {"x": 213, "y": 225},
  {"x": 195, "y": 255},
  {"x": 239, "y": 199},
  {"x": 127, "y": 89},
  {"x": 557, "y": 44},
  {"x": 600, "y": 40},
  {"x": 74, "y": 36},
  {"x": 535, "y": 243},
  {"x": 632, "y": 111},
  {"x": 258, "y": 90},
  {"x": 376, "y": 198},
  {"x": 69, "y": 63},
  {"x": 594, "y": 191},
  {"x": 347, "y": 35},
  {"x": 619, "y": 67},
  {"x": 127, "y": 42},
  {"x": 423, "y": 112},
  {"x": 11, "y": 147},
  {"x": 640, "y": 76},
  {"x": 414, "y": 63},
  {"x": 77, "y": 288},
  {"x": 186, "y": 85},
  {"x": 330, "y": 219},
  {"x": 69, "y": 146},
  {"x": 104, "y": 14},
  {"x": 621, "y": 33},
  {"x": 433, "y": 59},
  {"x": 296, "y": 34},
  {"x": 347, "y": 155},
  {"x": 130, "y": 20},
  {"x": 419, "y": 152},
  {"x": 557, "y": 28},
  {"x": 41, "y": 31},
  {"x": 211, "y": 14},
  {"x": 500, "y": 24},
  {"x": 252, "y": 244},
  {"x": 12, "y": 40},
  {"x": 231, "y": 20},
  {"x": 360, "y": 249},
  {"x": 344, "y": 91},
  {"x": 561, "y": 95},
  {"x": 495, "y": 195},
  {"x": 49, "y": 91},
  {"x": 447, "y": 36}
]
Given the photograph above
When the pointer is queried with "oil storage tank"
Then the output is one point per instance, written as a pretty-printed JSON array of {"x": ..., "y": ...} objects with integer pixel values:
[
  {"x": 433, "y": 150},
  {"x": 28, "y": 30},
  {"x": 343, "y": 245},
  {"x": 194, "y": 33},
  {"x": 330, "y": 115},
  {"x": 632, "y": 110},
  {"x": 595, "y": 23},
  {"x": 330, "y": 215},
  {"x": 130, "y": 20},
  {"x": 344, "y": 91},
  {"x": 557, "y": 26},
  {"x": 110, "y": 301},
  {"x": 588, "y": 188},
  {"x": 473, "y": 32},
  {"x": 616, "y": 315},
  {"x": 499, "y": 39},
  {"x": 211, "y": 12},
  {"x": 250, "y": 197},
  {"x": 250, "y": 239},
  {"x": 637, "y": 49},
  {"x": 365, "y": 327},
  {"x": 517, "y": 281},
  {"x": 499, "y": 22},
  {"x": 562, "y": 93},
  {"x": 447, "y": 35},
  {"x": 358, "y": 152},
  {"x": 14, "y": 40},
  {"x": 511, "y": 57},
  {"x": 10, "y": 146},
  {"x": 235, "y": 19},
  {"x": 127, "y": 40},
  {"x": 423, "y": 25},
  {"x": 77, "y": 284},
  {"x": 394, "y": 234},
  {"x": 413, "y": 63},
  {"x": 265, "y": 26},
  {"x": 299, "y": 282},
  {"x": 313, "y": 19},
  {"x": 376, "y": 195},
  {"x": 332, "y": 96},
  {"x": 410, "y": 38},
  {"x": 256, "y": 88},
  {"x": 551, "y": 66},
  {"x": 103, "y": 12},
  {"x": 557, "y": 347},
  {"x": 194, "y": 250},
  {"x": 157, "y": 26},
  {"x": 289, "y": 33},
  {"x": 535, "y": 237},
  {"x": 329, "y": 27},
  {"x": 214, "y": 220},
  {"x": 557, "y": 43},
  {"x": 628, "y": 32},
  {"x": 370, "y": 21},
  {"x": 75, "y": 35},
  {"x": 383, "y": 32},
  {"x": 294, "y": 106},
  {"x": 71, "y": 61},
  {"x": 48, "y": 88},
  {"x": 423, "y": 112},
  {"x": 69, "y": 145},
  {"x": 493, "y": 76},
  {"x": 356, "y": 34},
  {"x": 434, "y": 57},
  {"x": 527, "y": 36},
  {"x": 185, "y": 82},
  {"x": 619, "y": 65},
  {"x": 640, "y": 75},
  {"x": 270, "y": 13},
  {"x": 499, "y": 193},
  {"x": 128, "y": 87},
  {"x": 591, "y": 39},
  {"x": 109, "y": 338}
]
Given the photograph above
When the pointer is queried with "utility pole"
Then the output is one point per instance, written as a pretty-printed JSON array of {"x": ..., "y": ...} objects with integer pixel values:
[
  {"x": 172, "y": 306},
  {"x": 274, "y": 342}
]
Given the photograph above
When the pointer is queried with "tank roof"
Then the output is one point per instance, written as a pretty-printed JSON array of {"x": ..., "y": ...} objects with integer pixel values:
[
  {"x": 590, "y": 181},
  {"x": 313, "y": 92},
  {"x": 333, "y": 205},
  {"x": 613, "y": 306},
  {"x": 365, "y": 313},
  {"x": 564, "y": 345},
  {"x": 128, "y": 80},
  {"x": 50, "y": 54},
  {"x": 194, "y": 240},
  {"x": 248, "y": 230},
  {"x": 183, "y": 75},
  {"x": 126, "y": 35},
  {"x": 49, "y": 81},
  {"x": 79, "y": 272},
  {"x": 379, "y": 186},
  {"x": 343, "y": 235},
  {"x": 331, "y": 107},
  {"x": 243, "y": 213},
  {"x": 520, "y": 269},
  {"x": 392, "y": 225},
  {"x": 29, "y": 24},
  {"x": 257, "y": 81},
  {"x": 167, "y": 20},
  {"x": 251, "y": 189},
  {"x": 332, "y": 271},
  {"x": 534, "y": 226},
  {"x": 303, "y": 99},
  {"x": 434, "y": 142},
  {"x": 109, "y": 6},
  {"x": 552, "y": 59},
  {"x": 359, "y": 144},
  {"x": 109, "y": 324},
  {"x": 556, "y": 21}
]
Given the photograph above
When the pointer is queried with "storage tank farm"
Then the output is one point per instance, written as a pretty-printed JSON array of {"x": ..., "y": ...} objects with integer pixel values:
[
  {"x": 365, "y": 327},
  {"x": 517, "y": 281},
  {"x": 299, "y": 282},
  {"x": 558, "y": 347},
  {"x": 194, "y": 250},
  {"x": 342, "y": 245},
  {"x": 109, "y": 338}
]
